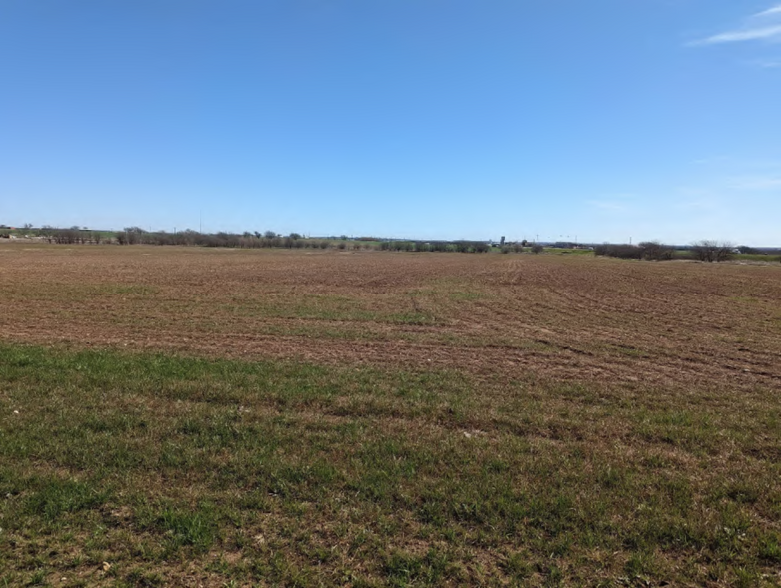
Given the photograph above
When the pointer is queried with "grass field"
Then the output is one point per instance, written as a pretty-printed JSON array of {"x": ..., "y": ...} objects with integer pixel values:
[{"x": 196, "y": 417}]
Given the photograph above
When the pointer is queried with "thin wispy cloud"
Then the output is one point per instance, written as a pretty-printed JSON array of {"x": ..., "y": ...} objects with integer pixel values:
[
  {"x": 612, "y": 206},
  {"x": 720, "y": 159},
  {"x": 770, "y": 11},
  {"x": 696, "y": 199},
  {"x": 744, "y": 35},
  {"x": 614, "y": 203},
  {"x": 765, "y": 25},
  {"x": 699, "y": 205},
  {"x": 757, "y": 183}
]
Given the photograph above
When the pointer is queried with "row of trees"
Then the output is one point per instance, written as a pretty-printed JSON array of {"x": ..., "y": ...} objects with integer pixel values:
[
  {"x": 712, "y": 251},
  {"x": 650, "y": 250},
  {"x": 72, "y": 236},
  {"x": 708, "y": 251},
  {"x": 257, "y": 240},
  {"x": 269, "y": 239},
  {"x": 435, "y": 246}
]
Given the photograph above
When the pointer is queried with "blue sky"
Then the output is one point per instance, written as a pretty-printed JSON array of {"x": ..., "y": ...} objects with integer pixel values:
[{"x": 602, "y": 121}]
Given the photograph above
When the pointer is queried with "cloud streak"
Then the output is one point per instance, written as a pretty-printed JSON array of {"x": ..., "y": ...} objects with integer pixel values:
[
  {"x": 618, "y": 203},
  {"x": 759, "y": 183},
  {"x": 765, "y": 25},
  {"x": 770, "y": 11},
  {"x": 612, "y": 206},
  {"x": 743, "y": 35}
]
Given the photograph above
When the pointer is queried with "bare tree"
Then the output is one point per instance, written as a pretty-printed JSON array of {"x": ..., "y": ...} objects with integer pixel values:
[
  {"x": 712, "y": 251},
  {"x": 47, "y": 232},
  {"x": 131, "y": 236},
  {"x": 655, "y": 251}
]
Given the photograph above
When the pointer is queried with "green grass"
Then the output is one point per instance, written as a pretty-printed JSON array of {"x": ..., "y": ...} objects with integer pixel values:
[
  {"x": 285, "y": 473},
  {"x": 756, "y": 257},
  {"x": 557, "y": 251}
]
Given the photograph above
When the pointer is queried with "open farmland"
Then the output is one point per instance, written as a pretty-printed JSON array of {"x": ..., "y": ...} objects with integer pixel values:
[{"x": 181, "y": 416}]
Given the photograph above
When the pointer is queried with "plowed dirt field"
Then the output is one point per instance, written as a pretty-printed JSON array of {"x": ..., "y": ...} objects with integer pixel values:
[{"x": 568, "y": 317}]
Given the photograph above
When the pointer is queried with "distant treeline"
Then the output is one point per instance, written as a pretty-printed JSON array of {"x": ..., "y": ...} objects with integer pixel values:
[
  {"x": 709, "y": 251},
  {"x": 247, "y": 240},
  {"x": 292, "y": 241},
  {"x": 651, "y": 251}
]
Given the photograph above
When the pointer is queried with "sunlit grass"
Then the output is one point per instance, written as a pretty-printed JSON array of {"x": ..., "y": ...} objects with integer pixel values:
[{"x": 298, "y": 474}]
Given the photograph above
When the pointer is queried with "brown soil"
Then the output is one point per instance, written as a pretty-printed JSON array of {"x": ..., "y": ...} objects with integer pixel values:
[{"x": 508, "y": 316}]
